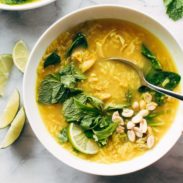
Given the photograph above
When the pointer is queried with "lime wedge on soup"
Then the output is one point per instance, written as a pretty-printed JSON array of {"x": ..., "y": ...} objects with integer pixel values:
[
  {"x": 15, "y": 129},
  {"x": 6, "y": 63},
  {"x": 80, "y": 142},
  {"x": 10, "y": 110},
  {"x": 20, "y": 55}
]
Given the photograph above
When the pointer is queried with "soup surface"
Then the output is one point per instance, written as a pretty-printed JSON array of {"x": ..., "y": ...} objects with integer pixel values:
[{"x": 114, "y": 84}]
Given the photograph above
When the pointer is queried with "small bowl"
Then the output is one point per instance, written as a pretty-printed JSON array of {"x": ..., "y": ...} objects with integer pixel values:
[
  {"x": 36, "y": 122},
  {"x": 26, "y": 6}
]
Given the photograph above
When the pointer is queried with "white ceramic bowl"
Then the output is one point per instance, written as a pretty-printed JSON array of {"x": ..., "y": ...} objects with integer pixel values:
[
  {"x": 26, "y": 6},
  {"x": 96, "y": 12}
]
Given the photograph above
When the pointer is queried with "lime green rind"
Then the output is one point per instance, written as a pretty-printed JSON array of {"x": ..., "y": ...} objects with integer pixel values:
[{"x": 80, "y": 142}]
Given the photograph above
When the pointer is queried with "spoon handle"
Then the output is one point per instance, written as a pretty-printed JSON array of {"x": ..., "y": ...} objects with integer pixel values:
[{"x": 164, "y": 91}]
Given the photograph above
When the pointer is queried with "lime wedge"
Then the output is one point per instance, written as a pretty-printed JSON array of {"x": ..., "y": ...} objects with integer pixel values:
[
  {"x": 15, "y": 129},
  {"x": 80, "y": 142},
  {"x": 20, "y": 55},
  {"x": 10, "y": 110},
  {"x": 6, "y": 63}
]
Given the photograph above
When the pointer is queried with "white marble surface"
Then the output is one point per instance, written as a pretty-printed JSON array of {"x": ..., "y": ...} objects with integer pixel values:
[{"x": 27, "y": 161}]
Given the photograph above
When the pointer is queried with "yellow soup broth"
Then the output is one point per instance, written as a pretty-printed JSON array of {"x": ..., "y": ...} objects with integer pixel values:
[{"x": 109, "y": 80}]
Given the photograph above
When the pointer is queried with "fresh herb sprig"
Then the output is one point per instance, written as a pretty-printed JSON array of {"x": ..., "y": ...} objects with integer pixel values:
[
  {"x": 57, "y": 87},
  {"x": 174, "y": 9},
  {"x": 84, "y": 110},
  {"x": 88, "y": 112}
]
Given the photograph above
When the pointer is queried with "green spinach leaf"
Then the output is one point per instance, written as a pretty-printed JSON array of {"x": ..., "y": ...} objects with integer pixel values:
[
  {"x": 159, "y": 98},
  {"x": 165, "y": 79},
  {"x": 158, "y": 77},
  {"x": 152, "y": 58},
  {"x": 52, "y": 59},
  {"x": 79, "y": 40},
  {"x": 143, "y": 89}
]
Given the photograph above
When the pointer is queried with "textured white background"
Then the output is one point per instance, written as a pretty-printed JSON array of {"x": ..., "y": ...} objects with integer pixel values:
[{"x": 27, "y": 161}]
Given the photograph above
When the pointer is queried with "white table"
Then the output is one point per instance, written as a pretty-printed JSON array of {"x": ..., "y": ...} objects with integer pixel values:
[{"x": 27, "y": 161}]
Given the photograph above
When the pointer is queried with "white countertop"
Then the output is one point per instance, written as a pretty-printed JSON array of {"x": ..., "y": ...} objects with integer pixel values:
[{"x": 27, "y": 161}]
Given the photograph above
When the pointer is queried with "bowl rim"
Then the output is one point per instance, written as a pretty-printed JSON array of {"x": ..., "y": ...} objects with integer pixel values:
[
  {"x": 27, "y": 6},
  {"x": 75, "y": 166}
]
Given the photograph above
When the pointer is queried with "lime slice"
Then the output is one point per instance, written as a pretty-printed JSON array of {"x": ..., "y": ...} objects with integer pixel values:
[
  {"x": 10, "y": 110},
  {"x": 6, "y": 63},
  {"x": 15, "y": 129},
  {"x": 20, "y": 55},
  {"x": 80, "y": 142}
]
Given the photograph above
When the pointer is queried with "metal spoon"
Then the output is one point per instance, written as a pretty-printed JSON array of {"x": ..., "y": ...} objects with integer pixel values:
[{"x": 144, "y": 82}]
